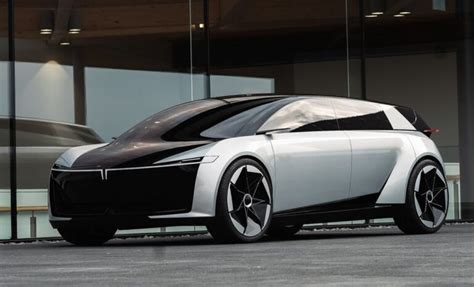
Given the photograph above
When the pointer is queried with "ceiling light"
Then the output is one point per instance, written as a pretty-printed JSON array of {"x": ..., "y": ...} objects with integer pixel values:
[
  {"x": 375, "y": 7},
  {"x": 65, "y": 43},
  {"x": 398, "y": 15},
  {"x": 201, "y": 25},
  {"x": 46, "y": 22},
  {"x": 405, "y": 13},
  {"x": 74, "y": 23},
  {"x": 74, "y": 31},
  {"x": 46, "y": 31},
  {"x": 371, "y": 16}
]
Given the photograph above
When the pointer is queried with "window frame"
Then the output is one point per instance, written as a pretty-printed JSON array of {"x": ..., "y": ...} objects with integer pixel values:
[
  {"x": 327, "y": 101},
  {"x": 379, "y": 111}
]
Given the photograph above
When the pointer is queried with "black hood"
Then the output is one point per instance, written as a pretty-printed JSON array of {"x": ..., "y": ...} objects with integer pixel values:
[{"x": 132, "y": 154}]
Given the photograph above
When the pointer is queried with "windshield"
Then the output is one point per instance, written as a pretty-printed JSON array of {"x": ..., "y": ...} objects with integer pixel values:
[
  {"x": 156, "y": 125},
  {"x": 204, "y": 120}
]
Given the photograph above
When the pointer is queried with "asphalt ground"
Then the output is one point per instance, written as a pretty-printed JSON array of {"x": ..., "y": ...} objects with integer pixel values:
[{"x": 377, "y": 256}]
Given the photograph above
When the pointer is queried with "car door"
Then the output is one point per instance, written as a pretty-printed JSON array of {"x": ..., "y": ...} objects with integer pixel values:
[
  {"x": 312, "y": 157},
  {"x": 375, "y": 148}
]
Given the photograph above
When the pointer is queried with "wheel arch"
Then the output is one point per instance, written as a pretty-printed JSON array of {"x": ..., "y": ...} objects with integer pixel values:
[
  {"x": 418, "y": 160},
  {"x": 227, "y": 228},
  {"x": 235, "y": 159},
  {"x": 430, "y": 157},
  {"x": 252, "y": 157},
  {"x": 210, "y": 175},
  {"x": 399, "y": 197},
  {"x": 408, "y": 219}
]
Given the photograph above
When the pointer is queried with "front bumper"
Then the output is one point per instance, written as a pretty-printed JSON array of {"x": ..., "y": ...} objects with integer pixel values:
[{"x": 121, "y": 192}]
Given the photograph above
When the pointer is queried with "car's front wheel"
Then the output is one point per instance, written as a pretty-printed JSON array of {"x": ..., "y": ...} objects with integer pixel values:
[
  {"x": 87, "y": 236},
  {"x": 244, "y": 203},
  {"x": 426, "y": 200}
]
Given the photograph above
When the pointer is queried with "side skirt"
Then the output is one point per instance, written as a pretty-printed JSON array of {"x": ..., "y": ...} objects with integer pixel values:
[{"x": 336, "y": 215}]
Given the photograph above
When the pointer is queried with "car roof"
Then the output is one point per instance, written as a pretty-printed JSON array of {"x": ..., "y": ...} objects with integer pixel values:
[{"x": 247, "y": 97}]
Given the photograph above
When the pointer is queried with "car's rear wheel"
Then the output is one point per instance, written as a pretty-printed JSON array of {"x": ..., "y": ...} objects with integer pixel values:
[
  {"x": 244, "y": 203},
  {"x": 283, "y": 231},
  {"x": 87, "y": 236},
  {"x": 426, "y": 200}
]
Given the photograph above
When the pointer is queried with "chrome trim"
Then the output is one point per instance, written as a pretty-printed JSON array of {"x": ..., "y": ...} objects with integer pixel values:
[
  {"x": 191, "y": 214},
  {"x": 150, "y": 166},
  {"x": 81, "y": 170},
  {"x": 104, "y": 172},
  {"x": 193, "y": 159},
  {"x": 205, "y": 159},
  {"x": 147, "y": 167}
]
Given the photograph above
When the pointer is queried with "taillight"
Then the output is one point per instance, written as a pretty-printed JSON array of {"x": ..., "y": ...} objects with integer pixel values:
[{"x": 430, "y": 131}]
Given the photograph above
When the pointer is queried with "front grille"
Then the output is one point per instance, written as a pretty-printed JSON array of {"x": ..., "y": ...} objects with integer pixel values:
[{"x": 144, "y": 191}]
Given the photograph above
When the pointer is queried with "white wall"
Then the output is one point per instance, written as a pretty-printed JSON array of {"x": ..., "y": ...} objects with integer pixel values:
[
  {"x": 425, "y": 82},
  {"x": 4, "y": 97},
  {"x": 117, "y": 99},
  {"x": 45, "y": 91},
  {"x": 235, "y": 85},
  {"x": 327, "y": 78}
]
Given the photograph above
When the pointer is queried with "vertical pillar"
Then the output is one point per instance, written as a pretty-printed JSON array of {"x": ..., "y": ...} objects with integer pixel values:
[
  {"x": 465, "y": 64},
  {"x": 363, "y": 80},
  {"x": 12, "y": 125},
  {"x": 79, "y": 88},
  {"x": 207, "y": 48}
]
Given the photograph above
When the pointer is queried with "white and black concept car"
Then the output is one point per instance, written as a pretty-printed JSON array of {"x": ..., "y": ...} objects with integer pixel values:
[{"x": 246, "y": 166}]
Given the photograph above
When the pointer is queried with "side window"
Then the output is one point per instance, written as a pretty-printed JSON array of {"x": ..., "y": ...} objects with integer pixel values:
[
  {"x": 360, "y": 115},
  {"x": 225, "y": 121},
  {"x": 244, "y": 123},
  {"x": 305, "y": 115}
]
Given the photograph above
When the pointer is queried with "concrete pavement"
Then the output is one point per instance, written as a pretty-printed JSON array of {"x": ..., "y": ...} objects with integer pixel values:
[{"x": 373, "y": 256}]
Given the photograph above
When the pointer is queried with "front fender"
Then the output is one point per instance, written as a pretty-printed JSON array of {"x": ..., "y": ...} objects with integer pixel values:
[{"x": 209, "y": 175}]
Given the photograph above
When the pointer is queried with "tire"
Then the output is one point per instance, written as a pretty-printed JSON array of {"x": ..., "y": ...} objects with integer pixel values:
[
  {"x": 244, "y": 203},
  {"x": 426, "y": 202},
  {"x": 283, "y": 231},
  {"x": 87, "y": 236}
]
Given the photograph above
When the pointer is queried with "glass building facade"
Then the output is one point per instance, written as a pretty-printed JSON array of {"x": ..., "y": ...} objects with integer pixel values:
[{"x": 74, "y": 72}]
